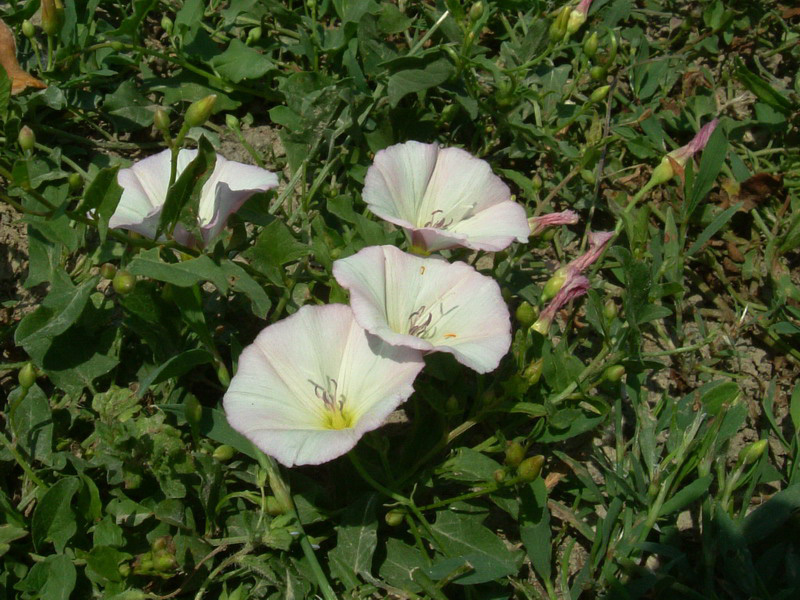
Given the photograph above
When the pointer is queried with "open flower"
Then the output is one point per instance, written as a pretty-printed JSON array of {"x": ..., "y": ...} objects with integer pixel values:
[
  {"x": 542, "y": 222},
  {"x": 428, "y": 304},
  {"x": 144, "y": 190},
  {"x": 574, "y": 286},
  {"x": 311, "y": 385},
  {"x": 445, "y": 197}
]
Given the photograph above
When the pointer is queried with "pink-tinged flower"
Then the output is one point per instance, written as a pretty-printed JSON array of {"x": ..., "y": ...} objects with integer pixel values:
[
  {"x": 539, "y": 224},
  {"x": 699, "y": 141},
  {"x": 427, "y": 304},
  {"x": 144, "y": 191},
  {"x": 575, "y": 286},
  {"x": 577, "y": 16},
  {"x": 445, "y": 197},
  {"x": 598, "y": 240},
  {"x": 311, "y": 385}
]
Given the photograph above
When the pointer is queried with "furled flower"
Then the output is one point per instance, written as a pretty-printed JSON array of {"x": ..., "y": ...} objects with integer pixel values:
[
  {"x": 540, "y": 223},
  {"x": 445, "y": 197},
  {"x": 577, "y": 16},
  {"x": 144, "y": 190},
  {"x": 311, "y": 385},
  {"x": 598, "y": 240},
  {"x": 575, "y": 286},
  {"x": 675, "y": 160},
  {"x": 428, "y": 304}
]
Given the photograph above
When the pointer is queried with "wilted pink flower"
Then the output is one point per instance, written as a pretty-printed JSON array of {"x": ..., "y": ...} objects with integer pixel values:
[
  {"x": 539, "y": 224},
  {"x": 144, "y": 191},
  {"x": 575, "y": 286},
  {"x": 597, "y": 244},
  {"x": 427, "y": 304},
  {"x": 311, "y": 385},
  {"x": 445, "y": 197},
  {"x": 699, "y": 141}
]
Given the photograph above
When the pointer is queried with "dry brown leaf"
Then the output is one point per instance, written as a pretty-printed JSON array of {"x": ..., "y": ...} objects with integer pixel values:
[
  {"x": 20, "y": 79},
  {"x": 753, "y": 191}
]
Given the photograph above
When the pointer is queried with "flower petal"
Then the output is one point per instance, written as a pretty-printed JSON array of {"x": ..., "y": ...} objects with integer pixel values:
[
  {"x": 275, "y": 398},
  {"x": 428, "y": 304},
  {"x": 144, "y": 189}
]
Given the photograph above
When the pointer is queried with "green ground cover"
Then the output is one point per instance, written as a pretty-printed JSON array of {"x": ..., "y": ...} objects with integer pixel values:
[{"x": 643, "y": 444}]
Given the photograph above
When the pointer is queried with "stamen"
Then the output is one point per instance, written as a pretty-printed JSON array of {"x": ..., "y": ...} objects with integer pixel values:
[{"x": 336, "y": 416}]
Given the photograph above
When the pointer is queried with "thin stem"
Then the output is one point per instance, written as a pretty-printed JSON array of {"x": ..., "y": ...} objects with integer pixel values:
[{"x": 22, "y": 462}]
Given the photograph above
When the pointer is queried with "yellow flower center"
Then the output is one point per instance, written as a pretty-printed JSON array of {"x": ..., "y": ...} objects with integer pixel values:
[
  {"x": 336, "y": 414},
  {"x": 338, "y": 419}
]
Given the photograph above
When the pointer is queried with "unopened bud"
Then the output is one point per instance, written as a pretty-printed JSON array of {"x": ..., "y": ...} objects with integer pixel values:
[
  {"x": 223, "y": 453},
  {"x": 558, "y": 29},
  {"x": 52, "y": 16},
  {"x": 476, "y": 11},
  {"x": 590, "y": 45},
  {"x": 750, "y": 454},
  {"x": 123, "y": 282},
  {"x": 28, "y": 30},
  {"x": 514, "y": 454},
  {"x": 525, "y": 314},
  {"x": 533, "y": 372},
  {"x": 107, "y": 271},
  {"x": 575, "y": 20},
  {"x": 536, "y": 182},
  {"x": 26, "y": 138},
  {"x": 199, "y": 112},
  {"x": 273, "y": 506},
  {"x": 530, "y": 468},
  {"x": 75, "y": 182},
  {"x": 588, "y": 176},
  {"x": 610, "y": 309},
  {"x": 662, "y": 173},
  {"x": 553, "y": 285},
  {"x": 542, "y": 326},
  {"x": 223, "y": 375},
  {"x": 253, "y": 36},
  {"x": 599, "y": 94},
  {"x": 231, "y": 121},
  {"x": 164, "y": 561},
  {"x": 193, "y": 411},
  {"x": 27, "y": 376},
  {"x": 167, "y": 24},
  {"x": 598, "y": 73},
  {"x": 614, "y": 373},
  {"x": 499, "y": 475},
  {"x": 161, "y": 119},
  {"x": 395, "y": 517}
]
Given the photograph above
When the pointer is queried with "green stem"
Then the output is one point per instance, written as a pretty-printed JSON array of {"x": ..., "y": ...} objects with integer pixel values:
[
  {"x": 22, "y": 462},
  {"x": 492, "y": 487}
]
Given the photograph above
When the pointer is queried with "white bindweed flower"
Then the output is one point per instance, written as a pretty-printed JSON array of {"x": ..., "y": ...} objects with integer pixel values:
[
  {"x": 311, "y": 385},
  {"x": 144, "y": 191},
  {"x": 428, "y": 304},
  {"x": 445, "y": 197}
]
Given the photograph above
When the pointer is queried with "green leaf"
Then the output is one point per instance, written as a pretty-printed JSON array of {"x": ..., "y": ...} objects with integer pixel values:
[
  {"x": 686, "y": 495},
  {"x": 174, "y": 367},
  {"x": 182, "y": 274},
  {"x": 32, "y": 423},
  {"x": 356, "y": 539},
  {"x": 718, "y": 223},
  {"x": 140, "y": 9},
  {"x": 763, "y": 90},
  {"x": 710, "y": 166},
  {"x": 53, "y": 518},
  {"x": 5, "y": 93},
  {"x": 465, "y": 539},
  {"x": 275, "y": 247},
  {"x": 771, "y": 515},
  {"x": 417, "y": 80},
  {"x": 400, "y": 562},
  {"x": 240, "y": 62},
  {"x": 183, "y": 198},
  {"x": 242, "y": 282},
  {"x": 8, "y": 534},
  {"x": 102, "y": 195},
  {"x": 469, "y": 465},
  {"x": 214, "y": 425},
  {"x": 52, "y": 579},
  {"x": 535, "y": 529},
  {"x": 392, "y": 20}
]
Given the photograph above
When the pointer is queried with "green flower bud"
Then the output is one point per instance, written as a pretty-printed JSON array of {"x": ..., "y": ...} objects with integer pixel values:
[
  {"x": 452, "y": 404},
  {"x": 132, "y": 481},
  {"x": 395, "y": 517},
  {"x": 662, "y": 173},
  {"x": 160, "y": 543},
  {"x": 590, "y": 45},
  {"x": 558, "y": 29},
  {"x": 161, "y": 119},
  {"x": 599, "y": 94},
  {"x": 223, "y": 453},
  {"x": 536, "y": 182},
  {"x": 193, "y": 411},
  {"x": 223, "y": 375},
  {"x": 530, "y": 468},
  {"x": 28, "y": 30},
  {"x": 610, "y": 310},
  {"x": 541, "y": 326},
  {"x": 476, "y": 11},
  {"x": 75, "y": 182},
  {"x": 515, "y": 453},
  {"x": 164, "y": 561},
  {"x": 499, "y": 475},
  {"x": 533, "y": 372},
  {"x": 123, "y": 282},
  {"x": 167, "y": 25},
  {"x": 588, "y": 176},
  {"x": 26, "y": 138},
  {"x": 199, "y": 112},
  {"x": 614, "y": 373},
  {"x": 750, "y": 454},
  {"x": 52, "y": 16},
  {"x": 553, "y": 285},
  {"x": 231, "y": 121},
  {"x": 107, "y": 271},
  {"x": 27, "y": 376},
  {"x": 124, "y": 569},
  {"x": 525, "y": 314},
  {"x": 144, "y": 564},
  {"x": 253, "y": 36},
  {"x": 598, "y": 73}
]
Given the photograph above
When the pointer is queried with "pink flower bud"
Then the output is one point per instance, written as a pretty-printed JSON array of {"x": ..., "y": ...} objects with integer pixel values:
[
  {"x": 598, "y": 240},
  {"x": 574, "y": 287},
  {"x": 539, "y": 224},
  {"x": 699, "y": 141}
]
